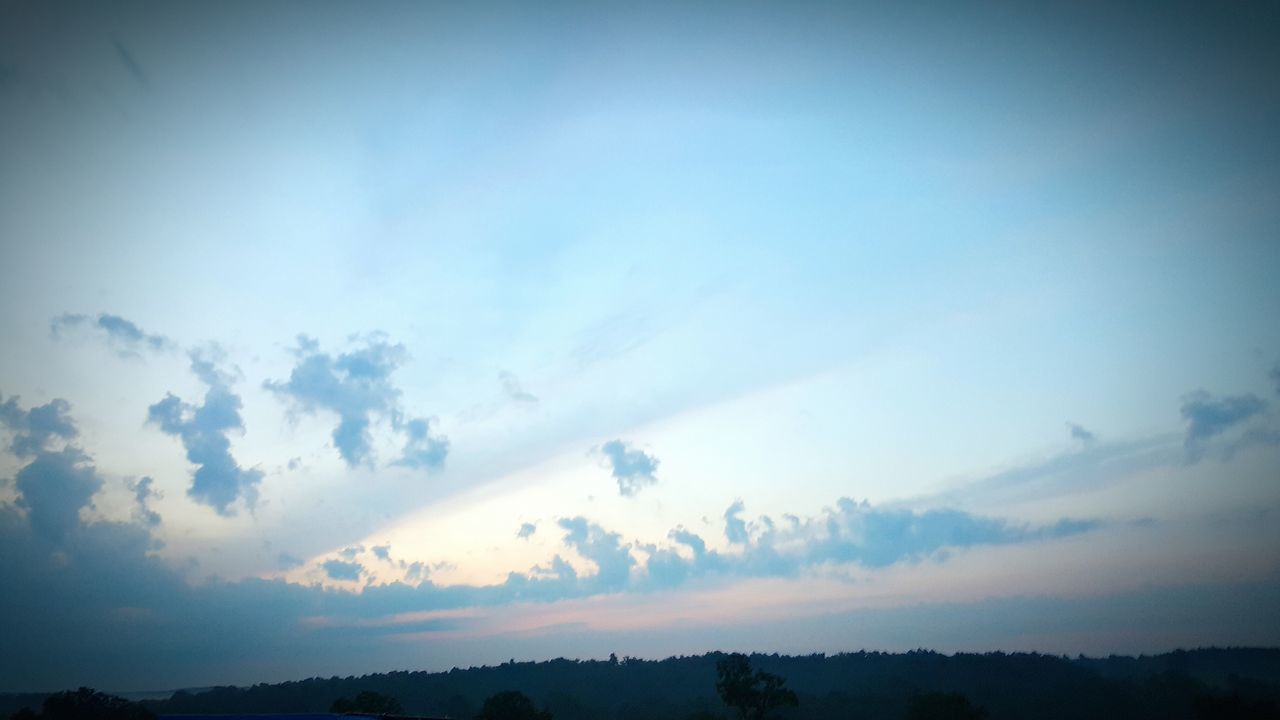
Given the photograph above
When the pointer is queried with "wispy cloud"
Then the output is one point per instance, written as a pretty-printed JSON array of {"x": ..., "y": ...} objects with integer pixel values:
[
  {"x": 131, "y": 65},
  {"x": 1208, "y": 417},
  {"x": 124, "y": 336},
  {"x": 1079, "y": 432},
  {"x": 514, "y": 390}
]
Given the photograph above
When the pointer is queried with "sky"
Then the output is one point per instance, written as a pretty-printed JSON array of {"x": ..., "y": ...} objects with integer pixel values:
[{"x": 342, "y": 338}]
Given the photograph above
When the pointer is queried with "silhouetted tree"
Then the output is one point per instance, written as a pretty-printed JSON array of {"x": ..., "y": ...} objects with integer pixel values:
[
  {"x": 87, "y": 704},
  {"x": 511, "y": 705},
  {"x": 944, "y": 706},
  {"x": 1232, "y": 707},
  {"x": 754, "y": 696},
  {"x": 368, "y": 702}
]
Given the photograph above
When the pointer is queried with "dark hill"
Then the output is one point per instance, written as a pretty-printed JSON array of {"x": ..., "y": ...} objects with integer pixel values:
[{"x": 1184, "y": 684}]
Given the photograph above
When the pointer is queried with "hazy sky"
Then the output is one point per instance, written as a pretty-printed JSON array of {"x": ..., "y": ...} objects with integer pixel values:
[{"x": 343, "y": 338}]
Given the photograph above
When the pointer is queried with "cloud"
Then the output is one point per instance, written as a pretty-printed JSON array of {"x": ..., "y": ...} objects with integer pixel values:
[
  {"x": 218, "y": 480},
  {"x": 421, "y": 448},
  {"x": 198, "y": 629},
  {"x": 126, "y": 338},
  {"x": 1274, "y": 374},
  {"x": 142, "y": 493},
  {"x": 33, "y": 430},
  {"x": 1078, "y": 432},
  {"x": 63, "y": 570},
  {"x": 1207, "y": 417},
  {"x": 382, "y": 552},
  {"x": 735, "y": 528},
  {"x": 851, "y": 532},
  {"x": 511, "y": 386},
  {"x": 58, "y": 482},
  {"x": 343, "y": 570},
  {"x": 633, "y": 469},
  {"x": 613, "y": 560},
  {"x": 55, "y": 487},
  {"x": 357, "y": 386},
  {"x": 526, "y": 531}
]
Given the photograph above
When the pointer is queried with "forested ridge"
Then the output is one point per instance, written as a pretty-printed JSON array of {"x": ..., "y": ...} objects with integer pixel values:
[
  {"x": 1208, "y": 683},
  {"x": 855, "y": 685}
]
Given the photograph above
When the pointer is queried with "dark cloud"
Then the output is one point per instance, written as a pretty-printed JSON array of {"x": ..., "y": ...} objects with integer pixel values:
[
  {"x": 633, "y": 469},
  {"x": 382, "y": 552},
  {"x": 349, "y": 553},
  {"x": 343, "y": 570},
  {"x": 1274, "y": 374},
  {"x": 131, "y": 65},
  {"x": 511, "y": 386},
  {"x": 58, "y": 482},
  {"x": 138, "y": 617},
  {"x": 357, "y": 386},
  {"x": 55, "y": 487},
  {"x": 218, "y": 480},
  {"x": 134, "y": 617},
  {"x": 1078, "y": 432},
  {"x": 526, "y": 531},
  {"x": 126, "y": 338},
  {"x": 1208, "y": 417},
  {"x": 33, "y": 430}
]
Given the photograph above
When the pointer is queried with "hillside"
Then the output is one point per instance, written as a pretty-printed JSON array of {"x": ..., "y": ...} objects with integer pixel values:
[{"x": 860, "y": 684}]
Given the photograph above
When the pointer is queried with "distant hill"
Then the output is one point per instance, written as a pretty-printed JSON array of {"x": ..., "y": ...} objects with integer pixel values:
[{"x": 1232, "y": 682}]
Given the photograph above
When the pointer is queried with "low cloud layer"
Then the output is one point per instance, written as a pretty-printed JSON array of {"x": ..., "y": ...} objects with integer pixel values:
[
  {"x": 633, "y": 469},
  {"x": 851, "y": 532},
  {"x": 133, "y": 610},
  {"x": 218, "y": 480}
]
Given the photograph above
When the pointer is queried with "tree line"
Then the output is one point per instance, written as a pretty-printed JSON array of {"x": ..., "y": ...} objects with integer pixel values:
[{"x": 919, "y": 685}]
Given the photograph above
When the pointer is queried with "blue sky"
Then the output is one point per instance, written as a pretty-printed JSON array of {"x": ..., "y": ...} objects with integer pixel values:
[{"x": 343, "y": 339}]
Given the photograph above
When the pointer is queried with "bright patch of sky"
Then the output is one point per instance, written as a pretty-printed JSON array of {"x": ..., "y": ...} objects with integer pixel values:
[{"x": 570, "y": 329}]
